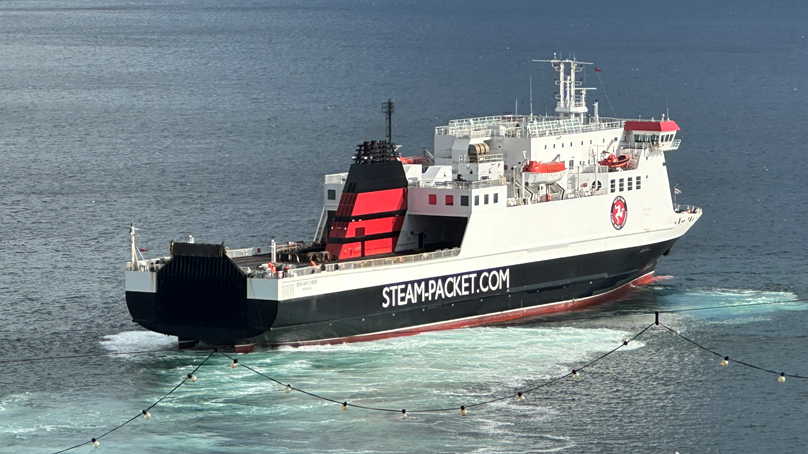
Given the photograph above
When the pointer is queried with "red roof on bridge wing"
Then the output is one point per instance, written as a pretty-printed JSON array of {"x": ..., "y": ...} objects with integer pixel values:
[{"x": 655, "y": 126}]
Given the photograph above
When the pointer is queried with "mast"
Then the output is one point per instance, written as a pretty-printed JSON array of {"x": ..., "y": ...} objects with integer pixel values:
[
  {"x": 388, "y": 108},
  {"x": 132, "y": 235},
  {"x": 571, "y": 96}
]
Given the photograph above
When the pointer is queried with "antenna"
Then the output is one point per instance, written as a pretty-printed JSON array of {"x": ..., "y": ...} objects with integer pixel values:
[
  {"x": 132, "y": 235},
  {"x": 571, "y": 96},
  {"x": 667, "y": 108},
  {"x": 388, "y": 108},
  {"x": 531, "y": 96}
]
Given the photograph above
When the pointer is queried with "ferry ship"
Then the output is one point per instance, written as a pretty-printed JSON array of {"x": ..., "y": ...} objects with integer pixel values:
[{"x": 509, "y": 217}]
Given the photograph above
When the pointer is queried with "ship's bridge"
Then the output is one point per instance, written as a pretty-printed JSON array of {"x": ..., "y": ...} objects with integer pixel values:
[{"x": 652, "y": 133}]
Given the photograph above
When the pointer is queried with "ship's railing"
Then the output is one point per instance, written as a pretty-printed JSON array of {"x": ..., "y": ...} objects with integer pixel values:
[
  {"x": 569, "y": 126},
  {"x": 233, "y": 253},
  {"x": 386, "y": 261},
  {"x": 523, "y": 127},
  {"x": 502, "y": 125},
  {"x": 250, "y": 251},
  {"x": 554, "y": 128},
  {"x": 360, "y": 264},
  {"x": 686, "y": 209},
  {"x": 632, "y": 145},
  {"x": 148, "y": 265},
  {"x": 153, "y": 265},
  {"x": 532, "y": 200},
  {"x": 495, "y": 120},
  {"x": 473, "y": 133},
  {"x": 482, "y": 132},
  {"x": 489, "y": 157},
  {"x": 454, "y": 184}
]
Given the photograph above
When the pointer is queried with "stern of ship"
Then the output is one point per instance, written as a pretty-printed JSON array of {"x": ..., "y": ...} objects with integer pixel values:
[{"x": 197, "y": 294}]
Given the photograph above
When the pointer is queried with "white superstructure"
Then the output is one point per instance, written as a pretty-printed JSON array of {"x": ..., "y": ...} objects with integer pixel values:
[{"x": 504, "y": 198}]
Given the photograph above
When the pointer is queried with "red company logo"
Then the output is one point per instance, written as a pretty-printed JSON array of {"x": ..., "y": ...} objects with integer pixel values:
[{"x": 619, "y": 212}]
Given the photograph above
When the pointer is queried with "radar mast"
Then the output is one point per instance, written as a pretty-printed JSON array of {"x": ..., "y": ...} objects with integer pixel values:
[{"x": 571, "y": 96}]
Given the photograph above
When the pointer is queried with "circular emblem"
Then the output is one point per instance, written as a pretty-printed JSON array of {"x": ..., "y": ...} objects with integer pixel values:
[{"x": 619, "y": 212}]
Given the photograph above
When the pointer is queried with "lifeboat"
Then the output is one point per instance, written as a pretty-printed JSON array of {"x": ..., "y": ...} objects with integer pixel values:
[
  {"x": 543, "y": 172},
  {"x": 423, "y": 160},
  {"x": 615, "y": 162}
]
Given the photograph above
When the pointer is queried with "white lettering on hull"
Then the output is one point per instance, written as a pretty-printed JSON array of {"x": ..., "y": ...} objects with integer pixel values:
[{"x": 446, "y": 287}]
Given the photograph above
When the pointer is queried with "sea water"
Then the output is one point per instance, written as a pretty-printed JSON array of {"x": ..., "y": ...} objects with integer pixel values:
[{"x": 219, "y": 120}]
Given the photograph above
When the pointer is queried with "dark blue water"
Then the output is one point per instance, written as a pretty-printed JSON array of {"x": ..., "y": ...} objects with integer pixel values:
[{"x": 219, "y": 119}]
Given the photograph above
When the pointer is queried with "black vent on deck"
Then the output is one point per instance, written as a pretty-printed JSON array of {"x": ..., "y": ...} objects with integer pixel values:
[
  {"x": 202, "y": 291},
  {"x": 375, "y": 152}
]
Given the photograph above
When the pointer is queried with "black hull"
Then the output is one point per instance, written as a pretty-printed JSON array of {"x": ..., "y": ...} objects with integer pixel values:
[{"x": 186, "y": 303}]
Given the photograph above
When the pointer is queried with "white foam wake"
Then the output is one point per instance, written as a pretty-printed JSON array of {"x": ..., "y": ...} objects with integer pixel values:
[{"x": 132, "y": 341}]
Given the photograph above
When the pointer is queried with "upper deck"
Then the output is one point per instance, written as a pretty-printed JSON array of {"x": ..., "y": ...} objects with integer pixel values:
[
  {"x": 523, "y": 126},
  {"x": 481, "y": 169},
  {"x": 253, "y": 262}
]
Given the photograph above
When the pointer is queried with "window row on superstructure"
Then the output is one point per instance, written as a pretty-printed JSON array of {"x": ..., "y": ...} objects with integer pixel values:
[
  {"x": 653, "y": 137},
  {"x": 464, "y": 199},
  {"x": 626, "y": 184}
]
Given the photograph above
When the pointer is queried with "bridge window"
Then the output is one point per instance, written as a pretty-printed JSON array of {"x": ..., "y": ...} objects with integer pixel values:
[
  {"x": 433, "y": 199},
  {"x": 449, "y": 199},
  {"x": 464, "y": 200},
  {"x": 332, "y": 194}
]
